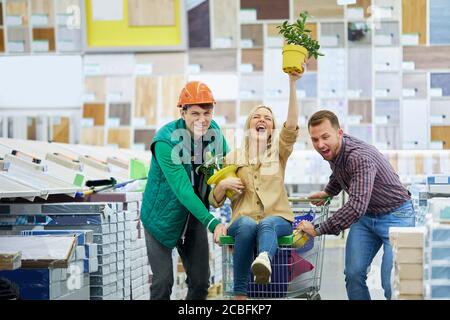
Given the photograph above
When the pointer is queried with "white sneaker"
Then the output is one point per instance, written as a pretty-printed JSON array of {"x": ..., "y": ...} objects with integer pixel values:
[{"x": 261, "y": 268}]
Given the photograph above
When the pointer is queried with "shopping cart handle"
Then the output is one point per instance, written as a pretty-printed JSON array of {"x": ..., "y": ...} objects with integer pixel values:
[{"x": 308, "y": 200}]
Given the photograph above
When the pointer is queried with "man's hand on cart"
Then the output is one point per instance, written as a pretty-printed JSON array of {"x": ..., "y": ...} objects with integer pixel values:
[
  {"x": 307, "y": 227},
  {"x": 220, "y": 230},
  {"x": 319, "y": 198}
]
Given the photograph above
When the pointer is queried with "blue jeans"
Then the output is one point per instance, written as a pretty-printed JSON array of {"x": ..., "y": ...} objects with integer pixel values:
[
  {"x": 246, "y": 233},
  {"x": 364, "y": 240}
]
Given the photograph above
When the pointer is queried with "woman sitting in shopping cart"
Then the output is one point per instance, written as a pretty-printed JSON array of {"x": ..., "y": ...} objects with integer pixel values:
[{"x": 260, "y": 206}]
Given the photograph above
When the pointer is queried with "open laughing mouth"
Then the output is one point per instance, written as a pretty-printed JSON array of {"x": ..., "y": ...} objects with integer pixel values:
[
  {"x": 261, "y": 128},
  {"x": 326, "y": 153}
]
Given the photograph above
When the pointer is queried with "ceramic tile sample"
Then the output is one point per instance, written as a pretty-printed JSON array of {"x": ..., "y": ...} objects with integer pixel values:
[
  {"x": 359, "y": 72},
  {"x": 19, "y": 9},
  {"x": 68, "y": 40},
  {"x": 198, "y": 23},
  {"x": 144, "y": 136},
  {"x": 225, "y": 110},
  {"x": 146, "y": 96},
  {"x": 121, "y": 111},
  {"x": 171, "y": 88},
  {"x": 358, "y": 34},
  {"x": 319, "y": 8},
  {"x": 387, "y": 59},
  {"x": 161, "y": 63},
  {"x": 361, "y": 110},
  {"x": 268, "y": 9},
  {"x": 441, "y": 81},
  {"x": 61, "y": 130},
  {"x": 307, "y": 86},
  {"x": 18, "y": 35},
  {"x": 251, "y": 86},
  {"x": 387, "y": 112},
  {"x": 93, "y": 136},
  {"x": 95, "y": 111},
  {"x": 363, "y": 7},
  {"x": 252, "y": 34},
  {"x": 440, "y": 112},
  {"x": 433, "y": 57},
  {"x": 45, "y": 34},
  {"x": 332, "y": 34},
  {"x": 414, "y": 19},
  {"x": 119, "y": 89},
  {"x": 207, "y": 60},
  {"x": 388, "y": 137},
  {"x": 441, "y": 133},
  {"x": 143, "y": 13},
  {"x": 387, "y": 9},
  {"x": 44, "y": 8},
  {"x": 332, "y": 73},
  {"x": 225, "y": 24},
  {"x": 120, "y": 137},
  {"x": 95, "y": 88},
  {"x": 415, "y": 85},
  {"x": 387, "y": 34},
  {"x": 415, "y": 128},
  {"x": 388, "y": 85},
  {"x": 439, "y": 22},
  {"x": 253, "y": 58}
]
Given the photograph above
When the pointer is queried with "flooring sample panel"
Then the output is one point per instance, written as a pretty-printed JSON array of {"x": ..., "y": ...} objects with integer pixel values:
[
  {"x": 225, "y": 110},
  {"x": 120, "y": 137},
  {"x": 388, "y": 137},
  {"x": 364, "y": 8},
  {"x": 45, "y": 34},
  {"x": 439, "y": 22},
  {"x": 144, "y": 137},
  {"x": 171, "y": 88},
  {"x": 61, "y": 129},
  {"x": 388, "y": 85},
  {"x": 121, "y": 111},
  {"x": 199, "y": 27},
  {"x": 359, "y": 72},
  {"x": 253, "y": 33},
  {"x": 440, "y": 112},
  {"x": 1, "y": 13},
  {"x": 225, "y": 24},
  {"x": 276, "y": 83},
  {"x": 44, "y": 8},
  {"x": 415, "y": 19},
  {"x": 95, "y": 111},
  {"x": 337, "y": 106},
  {"x": 362, "y": 132},
  {"x": 2, "y": 40},
  {"x": 361, "y": 109},
  {"x": 146, "y": 99},
  {"x": 441, "y": 133},
  {"x": 387, "y": 59},
  {"x": 268, "y": 9},
  {"x": 415, "y": 128},
  {"x": 18, "y": 8},
  {"x": 387, "y": 34},
  {"x": 119, "y": 89},
  {"x": 31, "y": 128},
  {"x": 415, "y": 85},
  {"x": 111, "y": 64},
  {"x": 307, "y": 86},
  {"x": 433, "y": 57},
  {"x": 332, "y": 34},
  {"x": 251, "y": 86},
  {"x": 387, "y": 9},
  {"x": 19, "y": 35},
  {"x": 387, "y": 112},
  {"x": 93, "y": 136},
  {"x": 253, "y": 57},
  {"x": 68, "y": 39},
  {"x": 319, "y": 8},
  {"x": 162, "y": 63},
  {"x": 143, "y": 13},
  {"x": 332, "y": 73},
  {"x": 207, "y": 60},
  {"x": 441, "y": 82},
  {"x": 95, "y": 88}
]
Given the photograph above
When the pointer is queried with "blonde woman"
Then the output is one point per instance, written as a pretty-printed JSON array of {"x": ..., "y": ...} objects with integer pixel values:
[{"x": 260, "y": 207}]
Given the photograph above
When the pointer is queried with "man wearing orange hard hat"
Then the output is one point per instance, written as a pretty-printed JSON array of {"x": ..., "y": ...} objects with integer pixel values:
[{"x": 175, "y": 207}]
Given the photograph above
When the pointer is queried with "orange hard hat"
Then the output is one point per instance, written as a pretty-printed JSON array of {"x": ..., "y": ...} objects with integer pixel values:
[{"x": 195, "y": 92}]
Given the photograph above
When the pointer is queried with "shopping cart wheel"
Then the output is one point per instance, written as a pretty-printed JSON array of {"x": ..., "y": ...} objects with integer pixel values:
[{"x": 315, "y": 296}]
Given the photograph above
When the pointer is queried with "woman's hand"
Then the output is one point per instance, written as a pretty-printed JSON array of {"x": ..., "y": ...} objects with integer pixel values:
[
  {"x": 233, "y": 184},
  {"x": 294, "y": 76},
  {"x": 220, "y": 230}
]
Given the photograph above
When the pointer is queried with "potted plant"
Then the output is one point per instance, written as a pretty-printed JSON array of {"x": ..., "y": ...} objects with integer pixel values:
[
  {"x": 211, "y": 169},
  {"x": 298, "y": 44}
]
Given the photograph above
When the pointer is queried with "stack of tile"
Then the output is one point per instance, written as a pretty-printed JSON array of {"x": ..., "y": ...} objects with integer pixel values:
[{"x": 408, "y": 253}]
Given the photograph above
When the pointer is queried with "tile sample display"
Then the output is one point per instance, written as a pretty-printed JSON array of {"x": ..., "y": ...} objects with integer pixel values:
[
  {"x": 276, "y": 83},
  {"x": 387, "y": 59},
  {"x": 144, "y": 13},
  {"x": 253, "y": 58},
  {"x": 226, "y": 112},
  {"x": 441, "y": 133},
  {"x": 94, "y": 89},
  {"x": 146, "y": 99},
  {"x": 252, "y": 35},
  {"x": 199, "y": 26},
  {"x": 332, "y": 71},
  {"x": 361, "y": 110},
  {"x": 119, "y": 89},
  {"x": 120, "y": 137},
  {"x": 95, "y": 111},
  {"x": 362, "y": 132},
  {"x": 68, "y": 39},
  {"x": 441, "y": 82},
  {"x": 93, "y": 136},
  {"x": 415, "y": 85},
  {"x": 18, "y": 39},
  {"x": 307, "y": 86},
  {"x": 415, "y": 128},
  {"x": 43, "y": 11},
  {"x": 388, "y": 85},
  {"x": 359, "y": 10},
  {"x": 45, "y": 35},
  {"x": 387, "y": 112},
  {"x": 160, "y": 63},
  {"x": 359, "y": 78},
  {"x": 122, "y": 111},
  {"x": 439, "y": 112},
  {"x": 2, "y": 40},
  {"x": 387, "y": 9},
  {"x": 414, "y": 19},
  {"x": 433, "y": 57},
  {"x": 207, "y": 60},
  {"x": 332, "y": 34},
  {"x": 144, "y": 137},
  {"x": 387, "y": 34},
  {"x": 251, "y": 86},
  {"x": 439, "y": 22},
  {"x": 171, "y": 88},
  {"x": 387, "y": 137},
  {"x": 268, "y": 9},
  {"x": 319, "y": 8},
  {"x": 17, "y": 9},
  {"x": 61, "y": 129},
  {"x": 225, "y": 24}
]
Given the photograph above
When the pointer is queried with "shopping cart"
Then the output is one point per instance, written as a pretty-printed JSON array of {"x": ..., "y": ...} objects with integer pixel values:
[{"x": 296, "y": 266}]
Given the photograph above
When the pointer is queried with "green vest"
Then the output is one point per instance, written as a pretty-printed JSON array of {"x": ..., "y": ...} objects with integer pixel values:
[{"x": 162, "y": 215}]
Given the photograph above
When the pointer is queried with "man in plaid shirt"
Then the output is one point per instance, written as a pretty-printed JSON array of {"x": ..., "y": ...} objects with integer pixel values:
[{"x": 377, "y": 201}]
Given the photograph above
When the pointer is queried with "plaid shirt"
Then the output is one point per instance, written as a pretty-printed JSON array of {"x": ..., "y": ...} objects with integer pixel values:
[{"x": 368, "y": 178}]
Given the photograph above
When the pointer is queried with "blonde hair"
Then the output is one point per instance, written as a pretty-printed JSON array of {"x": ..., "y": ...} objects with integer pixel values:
[{"x": 271, "y": 140}]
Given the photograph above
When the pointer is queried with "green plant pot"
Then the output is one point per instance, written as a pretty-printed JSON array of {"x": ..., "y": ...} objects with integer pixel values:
[
  {"x": 227, "y": 172},
  {"x": 294, "y": 56}
]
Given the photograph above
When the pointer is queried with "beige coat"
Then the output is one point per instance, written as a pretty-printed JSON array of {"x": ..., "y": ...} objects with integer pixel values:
[{"x": 265, "y": 194}]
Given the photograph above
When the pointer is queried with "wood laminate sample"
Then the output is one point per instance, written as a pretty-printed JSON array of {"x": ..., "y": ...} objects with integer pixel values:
[
  {"x": 31, "y": 128},
  {"x": 121, "y": 111},
  {"x": 44, "y": 7},
  {"x": 144, "y": 136},
  {"x": 121, "y": 88},
  {"x": 61, "y": 130},
  {"x": 146, "y": 99},
  {"x": 47, "y": 34},
  {"x": 319, "y": 8},
  {"x": 225, "y": 22},
  {"x": 171, "y": 88},
  {"x": 1, "y": 13},
  {"x": 441, "y": 133},
  {"x": 119, "y": 136},
  {"x": 253, "y": 32},
  {"x": 95, "y": 111},
  {"x": 95, "y": 86},
  {"x": 415, "y": 18},
  {"x": 2, "y": 40},
  {"x": 19, "y": 34},
  {"x": 416, "y": 82},
  {"x": 362, "y": 108},
  {"x": 144, "y": 13},
  {"x": 433, "y": 57},
  {"x": 18, "y": 8},
  {"x": 268, "y": 9},
  {"x": 199, "y": 27},
  {"x": 163, "y": 63},
  {"x": 439, "y": 22},
  {"x": 93, "y": 136},
  {"x": 214, "y": 60},
  {"x": 255, "y": 57}
]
